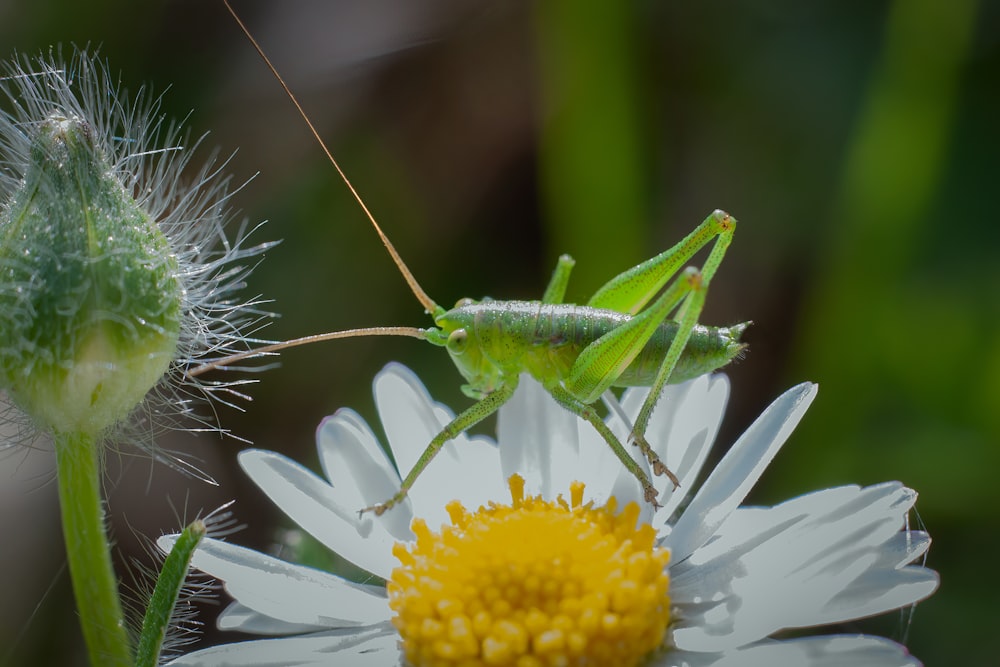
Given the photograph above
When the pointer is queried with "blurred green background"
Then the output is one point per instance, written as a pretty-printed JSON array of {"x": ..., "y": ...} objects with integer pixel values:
[{"x": 856, "y": 142}]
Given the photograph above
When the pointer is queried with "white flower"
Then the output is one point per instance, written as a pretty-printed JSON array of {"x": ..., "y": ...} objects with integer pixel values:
[{"x": 737, "y": 575}]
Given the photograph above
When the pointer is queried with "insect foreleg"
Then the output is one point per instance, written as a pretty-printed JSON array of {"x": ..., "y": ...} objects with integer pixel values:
[
  {"x": 465, "y": 420},
  {"x": 586, "y": 411},
  {"x": 556, "y": 291}
]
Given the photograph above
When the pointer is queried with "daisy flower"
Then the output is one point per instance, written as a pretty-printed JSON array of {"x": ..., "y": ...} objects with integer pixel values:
[{"x": 564, "y": 564}]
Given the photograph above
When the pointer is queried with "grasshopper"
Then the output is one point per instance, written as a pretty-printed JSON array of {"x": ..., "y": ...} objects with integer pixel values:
[{"x": 639, "y": 329}]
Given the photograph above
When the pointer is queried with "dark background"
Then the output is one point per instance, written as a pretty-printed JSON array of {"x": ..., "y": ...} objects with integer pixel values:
[{"x": 856, "y": 142}]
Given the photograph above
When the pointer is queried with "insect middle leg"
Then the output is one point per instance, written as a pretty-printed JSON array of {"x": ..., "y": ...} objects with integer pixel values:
[
  {"x": 602, "y": 362},
  {"x": 586, "y": 411}
]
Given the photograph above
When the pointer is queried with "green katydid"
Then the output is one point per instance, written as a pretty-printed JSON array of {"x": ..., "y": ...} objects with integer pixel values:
[{"x": 623, "y": 336}]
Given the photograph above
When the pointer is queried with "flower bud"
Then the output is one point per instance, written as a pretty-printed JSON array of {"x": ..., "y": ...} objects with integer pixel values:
[
  {"x": 116, "y": 274},
  {"x": 90, "y": 313}
]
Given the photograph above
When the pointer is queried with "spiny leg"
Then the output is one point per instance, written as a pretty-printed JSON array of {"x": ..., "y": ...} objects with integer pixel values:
[
  {"x": 465, "y": 420},
  {"x": 574, "y": 405},
  {"x": 555, "y": 293},
  {"x": 611, "y": 402},
  {"x": 602, "y": 362},
  {"x": 688, "y": 315}
]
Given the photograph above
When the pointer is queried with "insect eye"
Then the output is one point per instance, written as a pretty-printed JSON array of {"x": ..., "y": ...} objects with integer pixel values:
[
  {"x": 461, "y": 303},
  {"x": 457, "y": 341}
]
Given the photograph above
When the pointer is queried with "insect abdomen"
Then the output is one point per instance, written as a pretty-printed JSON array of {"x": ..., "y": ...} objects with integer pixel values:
[
  {"x": 545, "y": 340},
  {"x": 708, "y": 349}
]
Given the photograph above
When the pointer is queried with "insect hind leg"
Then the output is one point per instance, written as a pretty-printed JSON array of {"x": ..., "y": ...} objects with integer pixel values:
[{"x": 696, "y": 285}]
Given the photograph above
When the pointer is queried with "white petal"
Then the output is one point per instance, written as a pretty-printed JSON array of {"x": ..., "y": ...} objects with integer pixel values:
[
  {"x": 602, "y": 471},
  {"x": 349, "y": 451},
  {"x": 682, "y": 431},
  {"x": 826, "y": 651},
  {"x": 877, "y": 592},
  {"x": 408, "y": 414},
  {"x": 361, "y": 647},
  {"x": 552, "y": 448},
  {"x": 539, "y": 440},
  {"x": 287, "y": 592},
  {"x": 465, "y": 468},
  {"x": 239, "y": 618},
  {"x": 315, "y": 506},
  {"x": 738, "y": 471},
  {"x": 769, "y": 569},
  {"x": 889, "y": 584},
  {"x": 360, "y": 471},
  {"x": 903, "y": 548}
]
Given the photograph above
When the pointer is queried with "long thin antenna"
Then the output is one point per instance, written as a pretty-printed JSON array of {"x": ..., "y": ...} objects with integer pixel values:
[
  {"x": 415, "y": 287},
  {"x": 411, "y": 332}
]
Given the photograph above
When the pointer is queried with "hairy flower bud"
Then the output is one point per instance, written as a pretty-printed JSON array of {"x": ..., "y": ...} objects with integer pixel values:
[
  {"x": 115, "y": 273},
  {"x": 91, "y": 315}
]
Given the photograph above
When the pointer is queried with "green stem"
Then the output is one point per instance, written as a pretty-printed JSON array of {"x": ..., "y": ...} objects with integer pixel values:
[{"x": 88, "y": 550}]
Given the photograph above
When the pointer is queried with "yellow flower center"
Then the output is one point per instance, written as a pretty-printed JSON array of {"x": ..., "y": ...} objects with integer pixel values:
[{"x": 532, "y": 584}]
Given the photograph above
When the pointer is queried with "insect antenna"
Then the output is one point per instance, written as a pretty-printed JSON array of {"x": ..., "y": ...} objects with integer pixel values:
[
  {"x": 415, "y": 287},
  {"x": 412, "y": 332}
]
